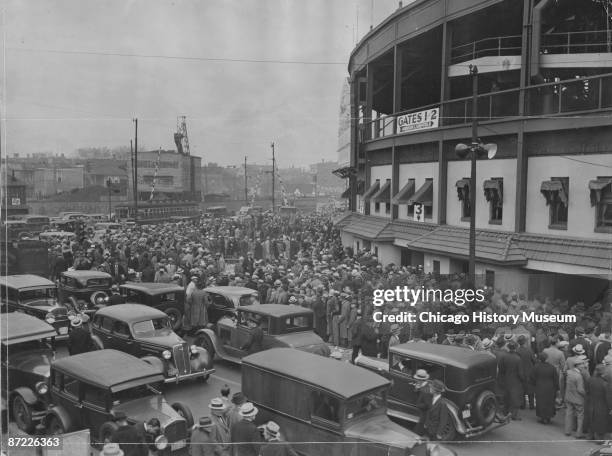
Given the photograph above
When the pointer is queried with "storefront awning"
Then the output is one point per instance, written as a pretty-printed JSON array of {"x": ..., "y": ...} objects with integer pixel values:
[
  {"x": 384, "y": 194},
  {"x": 344, "y": 172},
  {"x": 597, "y": 186},
  {"x": 552, "y": 187},
  {"x": 493, "y": 190},
  {"x": 405, "y": 193},
  {"x": 463, "y": 189},
  {"x": 371, "y": 191},
  {"x": 424, "y": 195}
]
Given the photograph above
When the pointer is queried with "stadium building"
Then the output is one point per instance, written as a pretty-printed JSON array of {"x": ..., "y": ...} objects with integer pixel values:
[{"x": 544, "y": 98}]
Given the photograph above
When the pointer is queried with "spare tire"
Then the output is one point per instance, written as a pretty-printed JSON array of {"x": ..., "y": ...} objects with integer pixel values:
[
  {"x": 485, "y": 408},
  {"x": 184, "y": 412},
  {"x": 98, "y": 294}
]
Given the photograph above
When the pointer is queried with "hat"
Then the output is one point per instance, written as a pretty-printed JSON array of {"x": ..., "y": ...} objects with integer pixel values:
[
  {"x": 272, "y": 428},
  {"x": 486, "y": 343},
  {"x": 111, "y": 449},
  {"x": 205, "y": 422},
  {"x": 119, "y": 416},
  {"x": 508, "y": 336},
  {"x": 437, "y": 386},
  {"x": 421, "y": 374},
  {"x": 217, "y": 405},
  {"x": 579, "y": 330},
  {"x": 194, "y": 277},
  {"x": 238, "y": 398},
  {"x": 292, "y": 300},
  {"x": 563, "y": 343},
  {"x": 76, "y": 322},
  {"x": 248, "y": 410},
  {"x": 578, "y": 349}
]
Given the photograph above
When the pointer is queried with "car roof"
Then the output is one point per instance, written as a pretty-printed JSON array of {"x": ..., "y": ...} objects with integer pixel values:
[
  {"x": 17, "y": 327},
  {"x": 152, "y": 287},
  {"x": 277, "y": 310},
  {"x": 109, "y": 369},
  {"x": 20, "y": 281},
  {"x": 336, "y": 377},
  {"x": 460, "y": 357},
  {"x": 84, "y": 274},
  {"x": 130, "y": 313},
  {"x": 227, "y": 290}
]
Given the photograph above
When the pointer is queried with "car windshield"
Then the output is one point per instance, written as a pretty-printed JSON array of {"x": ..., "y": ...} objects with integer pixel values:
[
  {"x": 365, "y": 404},
  {"x": 39, "y": 293},
  {"x": 247, "y": 300},
  {"x": 133, "y": 393},
  {"x": 99, "y": 283},
  {"x": 155, "y": 327}
]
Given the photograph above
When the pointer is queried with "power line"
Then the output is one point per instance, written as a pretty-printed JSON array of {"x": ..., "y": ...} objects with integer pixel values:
[{"x": 174, "y": 57}]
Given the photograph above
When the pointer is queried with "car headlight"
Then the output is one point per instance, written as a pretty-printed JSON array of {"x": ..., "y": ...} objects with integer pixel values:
[
  {"x": 71, "y": 315},
  {"x": 161, "y": 442},
  {"x": 50, "y": 318},
  {"x": 166, "y": 354},
  {"x": 193, "y": 349},
  {"x": 42, "y": 388}
]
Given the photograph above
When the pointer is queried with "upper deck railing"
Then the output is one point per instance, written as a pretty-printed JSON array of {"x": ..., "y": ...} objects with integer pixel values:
[
  {"x": 573, "y": 96},
  {"x": 487, "y": 47}
]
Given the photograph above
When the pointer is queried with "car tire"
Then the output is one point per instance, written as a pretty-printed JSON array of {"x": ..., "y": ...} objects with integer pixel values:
[
  {"x": 485, "y": 408},
  {"x": 56, "y": 426},
  {"x": 22, "y": 414},
  {"x": 207, "y": 345},
  {"x": 106, "y": 431},
  {"x": 184, "y": 412},
  {"x": 176, "y": 317},
  {"x": 94, "y": 295}
]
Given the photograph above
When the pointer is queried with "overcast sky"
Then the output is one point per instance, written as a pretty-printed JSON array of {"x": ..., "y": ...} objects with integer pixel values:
[{"x": 77, "y": 72}]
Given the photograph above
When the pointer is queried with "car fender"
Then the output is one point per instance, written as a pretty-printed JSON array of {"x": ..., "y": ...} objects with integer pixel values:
[
  {"x": 212, "y": 336},
  {"x": 461, "y": 429},
  {"x": 155, "y": 362},
  {"x": 62, "y": 414},
  {"x": 26, "y": 393}
]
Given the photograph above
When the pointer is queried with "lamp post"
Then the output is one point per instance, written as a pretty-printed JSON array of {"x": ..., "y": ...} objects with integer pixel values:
[
  {"x": 109, "y": 186},
  {"x": 474, "y": 150}
]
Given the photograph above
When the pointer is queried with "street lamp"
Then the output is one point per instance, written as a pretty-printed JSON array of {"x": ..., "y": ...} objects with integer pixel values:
[
  {"x": 475, "y": 150},
  {"x": 109, "y": 185}
]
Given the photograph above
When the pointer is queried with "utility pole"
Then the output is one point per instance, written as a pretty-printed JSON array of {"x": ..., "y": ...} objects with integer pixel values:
[
  {"x": 246, "y": 193},
  {"x": 136, "y": 169},
  {"x": 473, "y": 156},
  {"x": 273, "y": 175}
]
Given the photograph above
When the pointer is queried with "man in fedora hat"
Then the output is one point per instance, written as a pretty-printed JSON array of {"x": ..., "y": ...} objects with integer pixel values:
[
  {"x": 129, "y": 439},
  {"x": 221, "y": 429},
  {"x": 424, "y": 397},
  {"x": 276, "y": 445},
  {"x": 233, "y": 414},
  {"x": 245, "y": 434},
  {"x": 439, "y": 414},
  {"x": 79, "y": 339},
  {"x": 510, "y": 370},
  {"x": 203, "y": 439}
]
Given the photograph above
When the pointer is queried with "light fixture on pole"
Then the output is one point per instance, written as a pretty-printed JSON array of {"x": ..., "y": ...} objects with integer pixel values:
[{"x": 474, "y": 150}]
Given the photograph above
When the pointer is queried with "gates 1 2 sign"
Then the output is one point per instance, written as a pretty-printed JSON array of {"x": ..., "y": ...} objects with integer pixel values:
[{"x": 421, "y": 120}]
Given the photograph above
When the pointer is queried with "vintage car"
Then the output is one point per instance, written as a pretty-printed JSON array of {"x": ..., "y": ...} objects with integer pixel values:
[
  {"x": 146, "y": 333},
  {"x": 34, "y": 295},
  {"x": 88, "y": 389},
  {"x": 282, "y": 325},
  {"x": 469, "y": 377},
  {"x": 224, "y": 300},
  {"x": 85, "y": 291},
  {"x": 167, "y": 297},
  {"x": 27, "y": 350},
  {"x": 326, "y": 407}
]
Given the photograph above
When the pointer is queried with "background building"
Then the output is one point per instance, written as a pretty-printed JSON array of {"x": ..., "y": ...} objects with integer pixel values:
[{"x": 544, "y": 97}]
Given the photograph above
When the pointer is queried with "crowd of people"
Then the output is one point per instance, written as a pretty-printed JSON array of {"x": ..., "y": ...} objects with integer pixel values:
[{"x": 301, "y": 261}]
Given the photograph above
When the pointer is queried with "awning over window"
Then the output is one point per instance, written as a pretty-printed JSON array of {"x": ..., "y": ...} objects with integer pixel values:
[
  {"x": 424, "y": 195},
  {"x": 463, "y": 189},
  {"x": 405, "y": 193},
  {"x": 346, "y": 193},
  {"x": 552, "y": 187},
  {"x": 493, "y": 190},
  {"x": 384, "y": 194},
  {"x": 371, "y": 191},
  {"x": 597, "y": 187},
  {"x": 344, "y": 172}
]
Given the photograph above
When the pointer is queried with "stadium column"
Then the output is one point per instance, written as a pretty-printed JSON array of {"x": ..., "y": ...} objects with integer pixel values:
[
  {"x": 444, "y": 94},
  {"x": 397, "y": 106},
  {"x": 367, "y": 120},
  {"x": 521, "y": 153}
]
